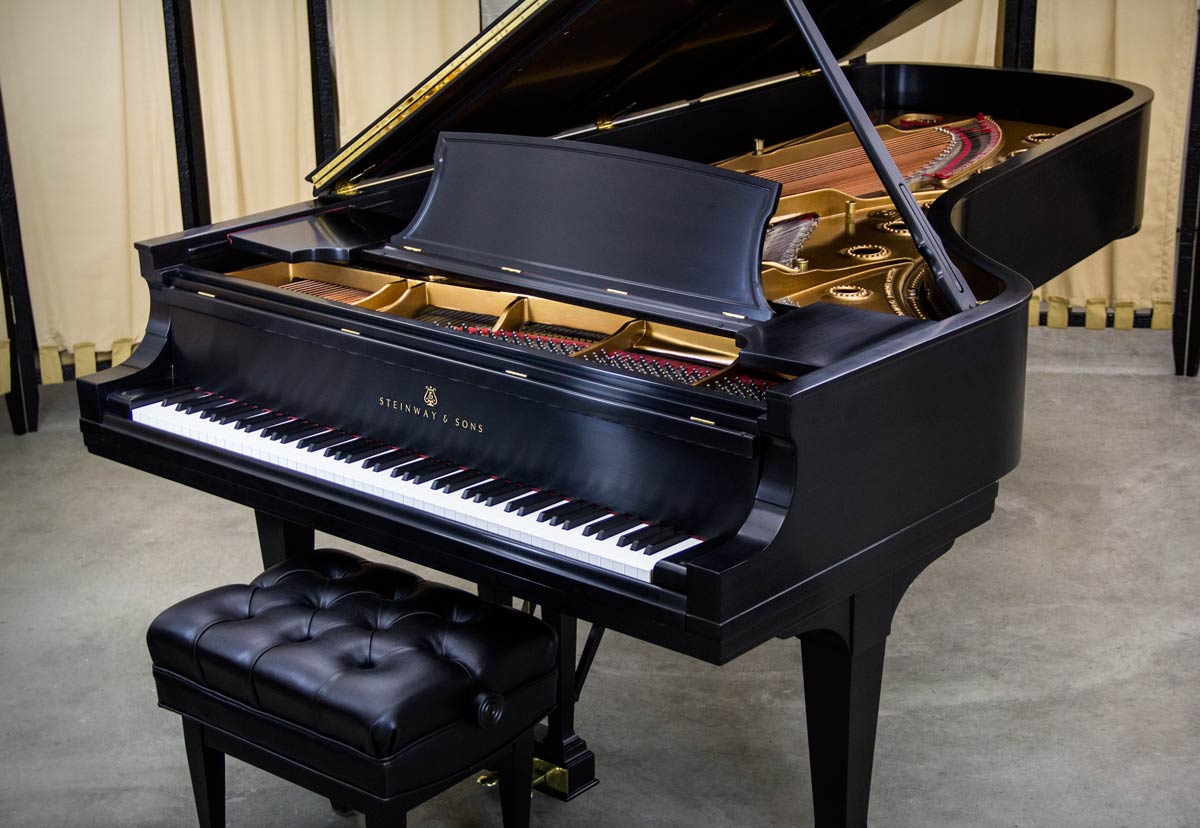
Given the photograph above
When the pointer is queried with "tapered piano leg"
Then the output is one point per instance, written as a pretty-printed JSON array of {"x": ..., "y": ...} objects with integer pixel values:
[
  {"x": 566, "y": 765},
  {"x": 281, "y": 539},
  {"x": 842, "y": 651},
  {"x": 841, "y": 697}
]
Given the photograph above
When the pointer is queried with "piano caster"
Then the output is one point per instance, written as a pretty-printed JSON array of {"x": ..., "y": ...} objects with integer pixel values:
[
  {"x": 341, "y": 809},
  {"x": 547, "y": 778}
]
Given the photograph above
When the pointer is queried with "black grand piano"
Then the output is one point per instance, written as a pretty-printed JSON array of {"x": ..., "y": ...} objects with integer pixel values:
[{"x": 650, "y": 314}]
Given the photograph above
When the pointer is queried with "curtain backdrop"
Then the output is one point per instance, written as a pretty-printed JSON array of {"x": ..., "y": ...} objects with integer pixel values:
[
  {"x": 88, "y": 112},
  {"x": 88, "y": 109},
  {"x": 256, "y": 101},
  {"x": 383, "y": 48},
  {"x": 1147, "y": 41}
]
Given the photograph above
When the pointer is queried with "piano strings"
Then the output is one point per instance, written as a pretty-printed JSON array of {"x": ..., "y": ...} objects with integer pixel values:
[
  {"x": 327, "y": 290},
  {"x": 926, "y": 157}
]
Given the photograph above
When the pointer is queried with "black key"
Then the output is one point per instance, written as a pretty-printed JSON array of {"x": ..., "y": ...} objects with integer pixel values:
[
  {"x": 325, "y": 436},
  {"x": 321, "y": 442},
  {"x": 415, "y": 468},
  {"x": 336, "y": 451},
  {"x": 460, "y": 481},
  {"x": 535, "y": 501},
  {"x": 249, "y": 414},
  {"x": 638, "y": 534},
  {"x": 393, "y": 458},
  {"x": 184, "y": 396},
  {"x": 300, "y": 434},
  {"x": 478, "y": 493},
  {"x": 505, "y": 495},
  {"x": 640, "y": 544},
  {"x": 255, "y": 417},
  {"x": 284, "y": 429},
  {"x": 659, "y": 544},
  {"x": 615, "y": 525},
  {"x": 263, "y": 421},
  {"x": 203, "y": 404},
  {"x": 146, "y": 396},
  {"x": 580, "y": 518},
  {"x": 432, "y": 474},
  {"x": 226, "y": 415},
  {"x": 562, "y": 509},
  {"x": 561, "y": 517},
  {"x": 364, "y": 452}
]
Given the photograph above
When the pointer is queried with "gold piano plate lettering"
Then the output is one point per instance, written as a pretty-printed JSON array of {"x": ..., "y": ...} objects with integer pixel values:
[{"x": 427, "y": 411}]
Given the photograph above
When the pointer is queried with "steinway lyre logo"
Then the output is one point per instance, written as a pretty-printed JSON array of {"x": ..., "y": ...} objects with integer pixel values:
[{"x": 431, "y": 396}]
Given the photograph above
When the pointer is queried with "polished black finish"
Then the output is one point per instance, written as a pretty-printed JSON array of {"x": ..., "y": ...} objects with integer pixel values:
[
  {"x": 574, "y": 63},
  {"x": 712, "y": 221},
  {"x": 334, "y": 236},
  {"x": 323, "y": 73},
  {"x": 1185, "y": 336},
  {"x": 440, "y": 685},
  {"x": 843, "y": 654},
  {"x": 557, "y": 742},
  {"x": 815, "y": 505},
  {"x": 280, "y": 539},
  {"x": 22, "y": 398},
  {"x": 190, "y": 157},
  {"x": 206, "y": 765},
  {"x": 587, "y": 657},
  {"x": 1017, "y": 33}
]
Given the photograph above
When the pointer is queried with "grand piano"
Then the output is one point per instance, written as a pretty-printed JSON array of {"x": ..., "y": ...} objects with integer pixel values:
[{"x": 651, "y": 314}]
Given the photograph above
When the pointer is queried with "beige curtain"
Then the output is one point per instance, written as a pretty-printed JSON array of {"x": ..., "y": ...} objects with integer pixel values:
[
  {"x": 88, "y": 112},
  {"x": 1147, "y": 41},
  {"x": 256, "y": 100},
  {"x": 383, "y": 48}
]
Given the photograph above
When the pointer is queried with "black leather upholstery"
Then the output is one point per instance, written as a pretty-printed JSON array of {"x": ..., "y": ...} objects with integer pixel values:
[{"x": 376, "y": 676}]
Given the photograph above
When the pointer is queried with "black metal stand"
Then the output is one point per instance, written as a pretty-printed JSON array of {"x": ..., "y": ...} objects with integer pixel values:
[
  {"x": 324, "y": 81},
  {"x": 22, "y": 400},
  {"x": 842, "y": 650},
  {"x": 1015, "y": 34},
  {"x": 1185, "y": 322},
  {"x": 185, "y": 109}
]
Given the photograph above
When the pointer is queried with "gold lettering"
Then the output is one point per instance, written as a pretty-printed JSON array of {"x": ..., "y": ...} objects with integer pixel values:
[{"x": 427, "y": 413}]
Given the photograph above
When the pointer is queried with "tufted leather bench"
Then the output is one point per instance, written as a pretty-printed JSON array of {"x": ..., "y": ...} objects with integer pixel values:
[{"x": 357, "y": 680}]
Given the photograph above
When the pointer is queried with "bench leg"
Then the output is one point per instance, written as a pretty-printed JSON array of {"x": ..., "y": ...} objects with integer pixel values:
[
  {"x": 207, "y": 767},
  {"x": 516, "y": 774}
]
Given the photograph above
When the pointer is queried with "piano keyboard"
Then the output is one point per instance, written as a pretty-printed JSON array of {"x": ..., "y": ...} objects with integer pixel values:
[{"x": 552, "y": 523}]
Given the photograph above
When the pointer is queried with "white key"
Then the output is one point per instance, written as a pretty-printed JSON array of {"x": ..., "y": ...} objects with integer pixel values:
[{"x": 526, "y": 529}]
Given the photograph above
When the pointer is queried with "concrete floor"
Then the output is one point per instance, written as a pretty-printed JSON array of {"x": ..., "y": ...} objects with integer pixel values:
[{"x": 1044, "y": 673}]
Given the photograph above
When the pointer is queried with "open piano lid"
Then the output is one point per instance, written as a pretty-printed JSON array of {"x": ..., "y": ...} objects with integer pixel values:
[
  {"x": 604, "y": 226},
  {"x": 550, "y": 65}
]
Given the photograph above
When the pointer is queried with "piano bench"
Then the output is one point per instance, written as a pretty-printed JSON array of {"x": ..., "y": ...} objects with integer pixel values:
[{"x": 359, "y": 681}]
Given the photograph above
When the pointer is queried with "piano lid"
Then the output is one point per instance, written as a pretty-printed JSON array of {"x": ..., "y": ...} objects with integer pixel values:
[
  {"x": 607, "y": 227},
  {"x": 549, "y": 65}
]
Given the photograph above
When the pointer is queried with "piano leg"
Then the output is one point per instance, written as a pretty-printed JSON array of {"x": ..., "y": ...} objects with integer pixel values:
[
  {"x": 842, "y": 651},
  {"x": 280, "y": 539},
  {"x": 562, "y": 759}
]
